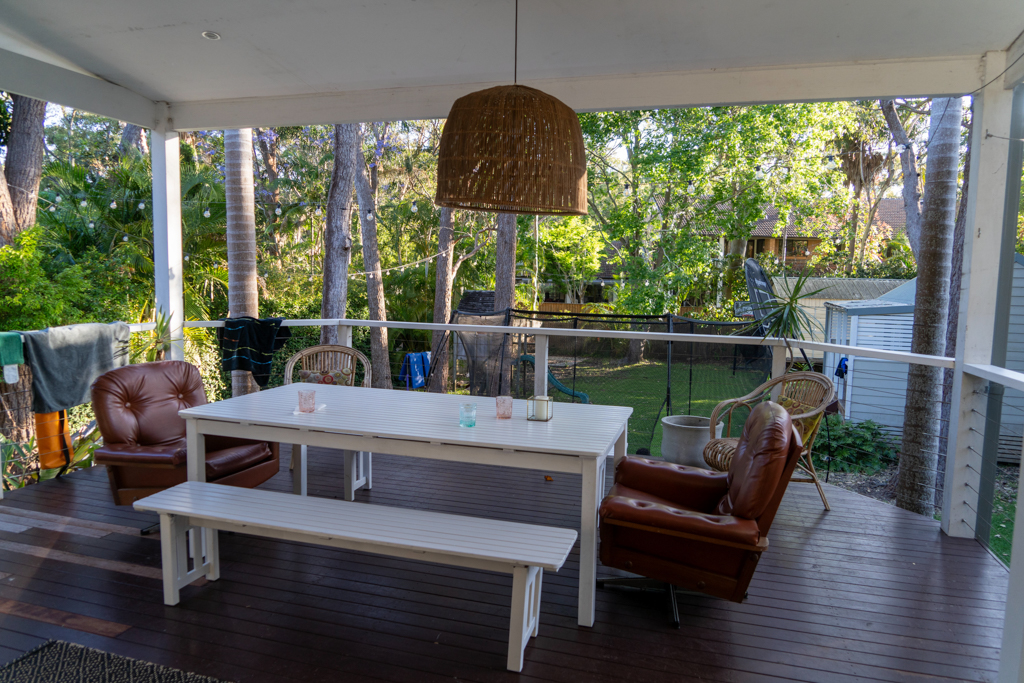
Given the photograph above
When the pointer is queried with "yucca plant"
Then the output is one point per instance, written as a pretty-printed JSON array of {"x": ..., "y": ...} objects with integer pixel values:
[{"x": 784, "y": 316}]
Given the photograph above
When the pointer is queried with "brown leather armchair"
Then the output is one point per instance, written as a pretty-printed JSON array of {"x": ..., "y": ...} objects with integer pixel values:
[
  {"x": 700, "y": 530},
  {"x": 143, "y": 448}
]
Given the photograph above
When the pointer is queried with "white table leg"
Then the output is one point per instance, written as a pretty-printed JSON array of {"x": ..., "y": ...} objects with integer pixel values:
[
  {"x": 211, "y": 539},
  {"x": 299, "y": 460},
  {"x": 172, "y": 555},
  {"x": 368, "y": 472},
  {"x": 195, "y": 443},
  {"x": 619, "y": 450},
  {"x": 593, "y": 490}
]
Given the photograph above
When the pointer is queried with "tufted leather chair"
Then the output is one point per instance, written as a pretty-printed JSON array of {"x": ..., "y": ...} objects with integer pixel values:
[
  {"x": 694, "y": 528},
  {"x": 144, "y": 439}
]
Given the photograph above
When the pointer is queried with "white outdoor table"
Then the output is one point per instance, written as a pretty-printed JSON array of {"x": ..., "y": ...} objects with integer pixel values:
[{"x": 425, "y": 425}]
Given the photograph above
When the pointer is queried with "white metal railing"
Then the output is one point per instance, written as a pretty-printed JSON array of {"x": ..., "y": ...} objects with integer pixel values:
[{"x": 901, "y": 356}]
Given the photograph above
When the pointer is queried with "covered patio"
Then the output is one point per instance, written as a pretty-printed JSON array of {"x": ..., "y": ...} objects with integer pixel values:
[{"x": 864, "y": 592}]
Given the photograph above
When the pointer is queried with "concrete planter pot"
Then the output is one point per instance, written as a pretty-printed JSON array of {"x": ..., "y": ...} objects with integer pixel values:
[{"x": 683, "y": 438}]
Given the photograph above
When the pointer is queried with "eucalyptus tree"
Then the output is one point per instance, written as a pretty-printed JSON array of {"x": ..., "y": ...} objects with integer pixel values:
[
  {"x": 243, "y": 292},
  {"x": 22, "y": 167},
  {"x": 338, "y": 231}
]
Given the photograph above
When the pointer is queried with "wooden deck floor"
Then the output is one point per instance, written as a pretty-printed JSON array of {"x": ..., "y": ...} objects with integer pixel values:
[{"x": 866, "y": 592}]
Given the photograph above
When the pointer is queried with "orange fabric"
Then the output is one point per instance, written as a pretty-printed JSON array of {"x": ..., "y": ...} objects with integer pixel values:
[{"x": 53, "y": 440}]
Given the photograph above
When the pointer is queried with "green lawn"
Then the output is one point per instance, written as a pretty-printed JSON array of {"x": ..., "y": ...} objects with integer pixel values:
[
  {"x": 643, "y": 388},
  {"x": 1004, "y": 508}
]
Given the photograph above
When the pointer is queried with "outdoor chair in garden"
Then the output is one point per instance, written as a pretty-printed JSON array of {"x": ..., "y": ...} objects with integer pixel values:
[
  {"x": 333, "y": 364},
  {"x": 804, "y": 395},
  {"x": 700, "y": 530}
]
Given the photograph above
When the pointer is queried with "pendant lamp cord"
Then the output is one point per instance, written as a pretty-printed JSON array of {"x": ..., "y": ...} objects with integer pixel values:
[{"x": 515, "y": 51}]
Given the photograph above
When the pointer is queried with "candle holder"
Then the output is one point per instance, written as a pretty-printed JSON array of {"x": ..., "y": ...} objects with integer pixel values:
[
  {"x": 539, "y": 408},
  {"x": 503, "y": 406}
]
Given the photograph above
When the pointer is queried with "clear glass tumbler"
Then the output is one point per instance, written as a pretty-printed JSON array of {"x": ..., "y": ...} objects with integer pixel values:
[
  {"x": 307, "y": 401},
  {"x": 467, "y": 415},
  {"x": 504, "y": 407}
]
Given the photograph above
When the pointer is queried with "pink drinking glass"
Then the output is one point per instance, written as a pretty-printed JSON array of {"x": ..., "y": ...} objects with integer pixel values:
[
  {"x": 504, "y": 407},
  {"x": 307, "y": 401}
]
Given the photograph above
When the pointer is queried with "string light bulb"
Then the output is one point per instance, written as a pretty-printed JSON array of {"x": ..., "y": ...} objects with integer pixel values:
[
  {"x": 691, "y": 188},
  {"x": 831, "y": 163},
  {"x": 125, "y": 238},
  {"x": 58, "y": 200},
  {"x": 83, "y": 203},
  {"x": 113, "y": 205},
  {"x": 901, "y": 148},
  {"x": 277, "y": 211},
  {"x": 414, "y": 208},
  {"x": 186, "y": 257},
  {"x": 206, "y": 212},
  {"x": 142, "y": 205},
  {"x": 92, "y": 225},
  {"x": 318, "y": 211},
  {"x": 369, "y": 215},
  {"x": 625, "y": 188},
  {"x": 52, "y": 208},
  {"x": 758, "y": 173}
]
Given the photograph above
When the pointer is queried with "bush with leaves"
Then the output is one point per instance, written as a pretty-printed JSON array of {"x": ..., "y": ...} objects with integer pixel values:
[{"x": 863, "y": 447}]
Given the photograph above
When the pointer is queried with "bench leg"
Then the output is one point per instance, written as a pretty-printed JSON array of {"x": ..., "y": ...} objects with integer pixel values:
[
  {"x": 525, "y": 621},
  {"x": 299, "y": 468},
  {"x": 358, "y": 472},
  {"x": 179, "y": 542}
]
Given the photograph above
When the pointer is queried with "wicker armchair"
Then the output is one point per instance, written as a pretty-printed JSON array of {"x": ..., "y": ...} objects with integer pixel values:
[
  {"x": 328, "y": 358},
  {"x": 331, "y": 358},
  {"x": 804, "y": 395}
]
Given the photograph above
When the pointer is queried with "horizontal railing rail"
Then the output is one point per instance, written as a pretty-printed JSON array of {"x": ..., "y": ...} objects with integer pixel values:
[{"x": 900, "y": 356}]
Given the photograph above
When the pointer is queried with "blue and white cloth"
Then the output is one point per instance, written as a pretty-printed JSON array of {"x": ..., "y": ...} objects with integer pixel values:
[{"x": 415, "y": 368}]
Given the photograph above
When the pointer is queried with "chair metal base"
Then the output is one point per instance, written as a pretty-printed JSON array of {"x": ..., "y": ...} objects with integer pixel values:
[{"x": 641, "y": 583}]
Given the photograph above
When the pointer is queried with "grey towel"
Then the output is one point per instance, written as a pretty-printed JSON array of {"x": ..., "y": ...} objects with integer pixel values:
[{"x": 65, "y": 361}]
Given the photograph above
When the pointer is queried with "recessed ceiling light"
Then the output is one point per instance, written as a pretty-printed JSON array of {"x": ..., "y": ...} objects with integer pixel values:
[{"x": 211, "y": 35}]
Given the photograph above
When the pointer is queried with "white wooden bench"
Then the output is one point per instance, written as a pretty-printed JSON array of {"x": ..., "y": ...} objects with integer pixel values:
[{"x": 523, "y": 550}]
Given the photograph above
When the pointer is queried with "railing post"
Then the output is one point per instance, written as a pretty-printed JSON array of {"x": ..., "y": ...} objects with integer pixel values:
[
  {"x": 984, "y": 240},
  {"x": 167, "y": 252},
  {"x": 540, "y": 365},
  {"x": 345, "y": 335}
]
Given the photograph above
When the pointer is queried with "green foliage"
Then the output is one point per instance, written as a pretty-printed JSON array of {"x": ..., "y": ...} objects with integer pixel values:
[
  {"x": 6, "y": 113},
  {"x": 854, "y": 446},
  {"x": 785, "y": 315}
]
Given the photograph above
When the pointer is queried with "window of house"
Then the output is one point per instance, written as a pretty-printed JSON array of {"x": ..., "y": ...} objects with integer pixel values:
[{"x": 798, "y": 248}]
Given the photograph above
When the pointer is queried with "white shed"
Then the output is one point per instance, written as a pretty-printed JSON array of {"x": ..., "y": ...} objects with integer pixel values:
[{"x": 876, "y": 389}]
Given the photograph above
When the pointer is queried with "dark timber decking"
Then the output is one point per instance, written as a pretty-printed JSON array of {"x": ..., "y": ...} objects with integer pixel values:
[{"x": 865, "y": 592}]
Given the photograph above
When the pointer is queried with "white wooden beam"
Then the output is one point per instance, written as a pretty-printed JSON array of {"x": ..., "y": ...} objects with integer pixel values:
[
  {"x": 841, "y": 81},
  {"x": 167, "y": 250},
  {"x": 975, "y": 334},
  {"x": 34, "y": 78},
  {"x": 1015, "y": 59}
]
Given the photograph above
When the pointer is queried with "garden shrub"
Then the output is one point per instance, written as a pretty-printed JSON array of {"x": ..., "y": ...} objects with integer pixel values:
[{"x": 863, "y": 447}]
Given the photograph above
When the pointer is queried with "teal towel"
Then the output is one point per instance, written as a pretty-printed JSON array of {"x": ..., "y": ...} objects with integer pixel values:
[{"x": 10, "y": 349}]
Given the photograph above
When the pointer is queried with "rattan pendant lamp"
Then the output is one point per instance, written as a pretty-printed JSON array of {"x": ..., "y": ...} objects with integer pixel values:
[{"x": 512, "y": 149}]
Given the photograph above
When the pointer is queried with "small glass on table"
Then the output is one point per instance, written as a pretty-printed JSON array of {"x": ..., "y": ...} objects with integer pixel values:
[
  {"x": 503, "y": 405},
  {"x": 467, "y": 415},
  {"x": 307, "y": 401}
]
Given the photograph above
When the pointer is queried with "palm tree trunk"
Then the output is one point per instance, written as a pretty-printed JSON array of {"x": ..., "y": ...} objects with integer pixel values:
[
  {"x": 23, "y": 167},
  {"x": 239, "y": 190},
  {"x": 915, "y": 489},
  {"x": 443, "y": 280},
  {"x": 338, "y": 232},
  {"x": 379, "y": 358}
]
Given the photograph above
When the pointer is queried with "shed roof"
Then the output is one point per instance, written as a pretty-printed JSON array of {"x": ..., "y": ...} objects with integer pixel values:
[{"x": 841, "y": 287}]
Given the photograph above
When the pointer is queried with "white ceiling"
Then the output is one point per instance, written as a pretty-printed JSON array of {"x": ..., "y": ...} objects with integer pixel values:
[{"x": 321, "y": 48}]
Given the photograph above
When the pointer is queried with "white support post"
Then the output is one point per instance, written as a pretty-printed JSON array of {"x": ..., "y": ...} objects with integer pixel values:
[
  {"x": 345, "y": 335},
  {"x": 167, "y": 253},
  {"x": 540, "y": 365},
  {"x": 975, "y": 333}
]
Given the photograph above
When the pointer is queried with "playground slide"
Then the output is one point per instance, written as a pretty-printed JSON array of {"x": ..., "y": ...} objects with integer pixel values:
[{"x": 584, "y": 398}]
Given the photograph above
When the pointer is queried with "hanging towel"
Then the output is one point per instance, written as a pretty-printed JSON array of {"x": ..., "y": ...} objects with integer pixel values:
[
  {"x": 249, "y": 344},
  {"x": 65, "y": 361},
  {"x": 415, "y": 368},
  {"x": 53, "y": 440},
  {"x": 11, "y": 355}
]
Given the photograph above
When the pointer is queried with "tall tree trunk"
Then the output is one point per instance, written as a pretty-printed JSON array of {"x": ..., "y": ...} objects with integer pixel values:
[
  {"x": 338, "y": 231},
  {"x": 733, "y": 263},
  {"x": 915, "y": 489},
  {"x": 505, "y": 292},
  {"x": 908, "y": 162},
  {"x": 380, "y": 360},
  {"x": 953, "y": 316},
  {"x": 269, "y": 151},
  {"x": 23, "y": 167},
  {"x": 132, "y": 138},
  {"x": 240, "y": 195},
  {"x": 443, "y": 281}
]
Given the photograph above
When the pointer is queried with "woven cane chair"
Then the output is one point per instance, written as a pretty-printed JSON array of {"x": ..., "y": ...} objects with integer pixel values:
[
  {"x": 342, "y": 359},
  {"x": 804, "y": 395}
]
